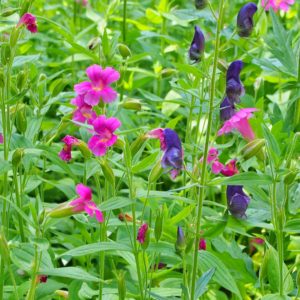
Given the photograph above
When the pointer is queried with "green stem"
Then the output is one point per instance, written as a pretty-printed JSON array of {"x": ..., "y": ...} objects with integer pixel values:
[
  {"x": 34, "y": 277},
  {"x": 205, "y": 154},
  {"x": 124, "y": 20}
]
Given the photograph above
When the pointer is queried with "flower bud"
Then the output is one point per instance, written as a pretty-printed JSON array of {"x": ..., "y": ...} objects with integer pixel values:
[
  {"x": 21, "y": 80},
  {"x": 8, "y": 11},
  {"x": 180, "y": 244},
  {"x": 2, "y": 79},
  {"x": 21, "y": 120},
  {"x": 200, "y": 4},
  {"x": 84, "y": 149},
  {"x": 62, "y": 293},
  {"x": 290, "y": 177},
  {"x": 133, "y": 104},
  {"x": 158, "y": 225},
  {"x": 93, "y": 43},
  {"x": 4, "y": 249},
  {"x": 14, "y": 35},
  {"x": 143, "y": 236},
  {"x": 17, "y": 157},
  {"x": 107, "y": 172},
  {"x": 253, "y": 148},
  {"x": 137, "y": 144},
  {"x": 62, "y": 210},
  {"x": 124, "y": 51},
  {"x": 197, "y": 46}
]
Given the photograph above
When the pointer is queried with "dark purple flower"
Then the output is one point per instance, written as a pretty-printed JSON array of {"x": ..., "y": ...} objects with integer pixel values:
[
  {"x": 227, "y": 109},
  {"x": 234, "y": 86},
  {"x": 200, "y": 4},
  {"x": 171, "y": 145},
  {"x": 237, "y": 200},
  {"x": 245, "y": 19},
  {"x": 197, "y": 46}
]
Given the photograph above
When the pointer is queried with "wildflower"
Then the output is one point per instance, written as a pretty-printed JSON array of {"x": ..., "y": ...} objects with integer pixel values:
[
  {"x": 180, "y": 244},
  {"x": 99, "y": 87},
  {"x": 42, "y": 278},
  {"x": 84, "y": 112},
  {"x": 85, "y": 203},
  {"x": 171, "y": 145},
  {"x": 277, "y": 4},
  {"x": 65, "y": 153},
  {"x": 237, "y": 200},
  {"x": 239, "y": 121},
  {"x": 83, "y": 2},
  {"x": 202, "y": 244},
  {"x": 104, "y": 136},
  {"x": 234, "y": 86},
  {"x": 29, "y": 21},
  {"x": 141, "y": 237},
  {"x": 200, "y": 4},
  {"x": 227, "y": 109},
  {"x": 245, "y": 19},
  {"x": 197, "y": 46},
  {"x": 230, "y": 169},
  {"x": 212, "y": 155},
  {"x": 1, "y": 138}
]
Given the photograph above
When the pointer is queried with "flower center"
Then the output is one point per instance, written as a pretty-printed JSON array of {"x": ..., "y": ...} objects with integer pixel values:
[
  {"x": 105, "y": 135},
  {"x": 99, "y": 87}
]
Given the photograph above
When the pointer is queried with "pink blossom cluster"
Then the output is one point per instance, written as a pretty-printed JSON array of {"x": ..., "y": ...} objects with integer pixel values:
[{"x": 277, "y": 4}]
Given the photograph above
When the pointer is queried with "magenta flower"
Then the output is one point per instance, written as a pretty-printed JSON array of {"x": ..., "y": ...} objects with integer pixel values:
[
  {"x": 1, "y": 138},
  {"x": 85, "y": 203},
  {"x": 230, "y": 169},
  {"x": 84, "y": 112},
  {"x": 29, "y": 21},
  {"x": 202, "y": 244},
  {"x": 239, "y": 121},
  {"x": 171, "y": 145},
  {"x": 212, "y": 155},
  {"x": 104, "y": 136},
  {"x": 277, "y": 4},
  {"x": 65, "y": 153},
  {"x": 98, "y": 89},
  {"x": 141, "y": 236}
]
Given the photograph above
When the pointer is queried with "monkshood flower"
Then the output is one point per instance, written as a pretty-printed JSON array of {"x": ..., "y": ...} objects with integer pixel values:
[
  {"x": 277, "y": 4},
  {"x": 237, "y": 200},
  {"x": 227, "y": 109},
  {"x": 234, "y": 86},
  {"x": 104, "y": 136},
  {"x": 197, "y": 46},
  {"x": 85, "y": 203},
  {"x": 202, "y": 244},
  {"x": 239, "y": 121},
  {"x": 141, "y": 236},
  {"x": 98, "y": 88},
  {"x": 29, "y": 21},
  {"x": 65, "y": 153},
  {"x": 1, "y": 138},
  {"x": 245, "y": 19},
  {"x": 171, "y": 145},
  {"x": 200, "y": 4},
  {"x": 84, "y": 112}
]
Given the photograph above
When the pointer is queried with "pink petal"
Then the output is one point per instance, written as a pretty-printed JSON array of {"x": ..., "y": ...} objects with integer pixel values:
[
  {"x": 94, "y": 73},
  {"x": 245, "y": 129},
  {"x": 108, "y": 94},
  {"x": 111, "y": 141},
  {"x": 92, "y": 97},
  {"x": 99, "y": 215},
  {"x": 100, "y": 124},
  {"x": 109, "y": 75},
  {"x": 217, "y": 167},
  {"x": 78, "y": 101},
  {"x": 113, "y": 124},
  {"x": 96, "y": 146},
  {"x": 90, "y": 208},
  {"x": 83, "y": 87},
  {"x": 65, "y": 155},
  {"x": 84, "y": 191}
]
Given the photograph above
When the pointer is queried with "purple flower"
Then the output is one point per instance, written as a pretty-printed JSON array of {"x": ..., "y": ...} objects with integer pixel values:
[
  {"x": 245, "y": 19},
  {"x": 200, "y": 4},
  {"x": 234, "y": 86},
  {"x": 197, "y": 46},
  {"x": 65, "y": 153},
  {"x": 237, "y": 200},
  {"x": 227, "y": 109},
  {"x": 141, "y": 237},
  {"x": 171, "y": 145}
]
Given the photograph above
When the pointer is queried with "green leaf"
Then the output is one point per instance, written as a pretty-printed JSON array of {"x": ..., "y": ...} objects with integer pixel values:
[
  {"x": 114, "y": 203},
  {"x": 145, "y": 163},
  {"x": 70, "y": 272},
  {"x": 19, "y": 61},
  {"x": 292, "y": 226},
  {"x": 202, "y": 282}
]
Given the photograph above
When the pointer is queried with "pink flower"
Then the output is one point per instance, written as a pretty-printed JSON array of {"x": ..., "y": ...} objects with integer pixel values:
[
  {"x": 99, "y": 87},
  {"x": 239, "y": 121},
  {"x": 158, "y": 133},
  {"x": 65, "y": 153},
  {"x": 217, "y": 167},
  {"x": 104, "y": 137},
  {"x": 277, "y": 4},
  {"x": 202, "y": 244},
  {"x": 84, "y": 112},
  {"x": 83, "y": 2},
  {"x": 230, "y": 168},
  {"x": 142, "y": 233},
  {"x": 29, "y": 21},
  {"x": 85, "y": 203},
  {"x": 1, "y": 138}
]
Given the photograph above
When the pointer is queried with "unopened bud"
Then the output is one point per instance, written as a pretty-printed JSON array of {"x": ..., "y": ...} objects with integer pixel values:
[
  {"x": 21, "y": 120},
  {"x": 180, "y": 244},
  {"x": 93, "y": 43},
  {"x": 124, "y": 51},
  {"x": 84, "y": 149},
  {"x": 17, "y": 157},
  {"x": 133, "y": 104},
  {"x": 5, "y": 54},
  {"x": 137, "y": 144},
  {"x": 61, "y": 211},
  {"x": 21, "y": 80},
  {"x": 8, "y": 11},
  {"x": 14, "y": 35},
  {"x": 168, "y": 72},
  {"x": 107, "y": 172},
  {"x": 253, "y": 148}
]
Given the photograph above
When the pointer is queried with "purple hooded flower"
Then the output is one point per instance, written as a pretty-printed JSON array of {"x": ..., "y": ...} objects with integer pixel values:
[
  {"x": 245, "y": 19},
  {"x": 171, "y": 145},
  {"x": 197, "y": 46},
  {"x": 227, "y": 109},
  {"x": 200, "y": 4},
  {"x": 237, "y": 200},
  {"x": 234, "y": 86}
]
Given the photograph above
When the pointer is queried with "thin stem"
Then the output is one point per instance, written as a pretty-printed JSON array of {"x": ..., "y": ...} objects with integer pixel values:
[
  {"x": 205, "y": 154},
  {"x": 124, "y": 20}
]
